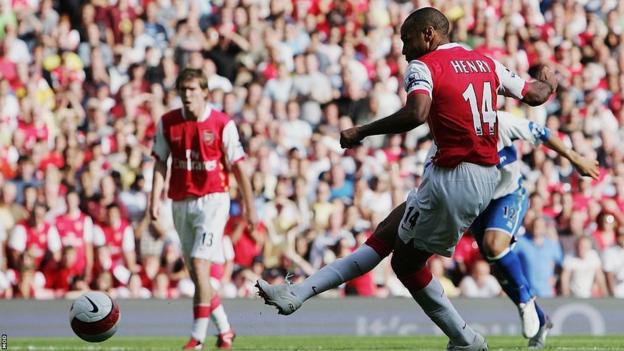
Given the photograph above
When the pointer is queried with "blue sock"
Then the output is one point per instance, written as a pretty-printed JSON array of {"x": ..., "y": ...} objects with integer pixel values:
[
  {"x": 512, "y": 279},
  {"x": 540, "y": 315}
]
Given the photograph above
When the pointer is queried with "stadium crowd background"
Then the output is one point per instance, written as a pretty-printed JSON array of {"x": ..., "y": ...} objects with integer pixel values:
[{"x": 84, "y": 83}]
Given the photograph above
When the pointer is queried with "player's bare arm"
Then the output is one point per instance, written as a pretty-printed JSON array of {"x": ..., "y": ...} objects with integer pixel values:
[
  {"x": 583, "y": 165},
  {"x": 410, "y": 116},
  {"x": 540, "y": 89},
  {"x": 240, "y": 173},
  {"x": 158, "y": 182}
]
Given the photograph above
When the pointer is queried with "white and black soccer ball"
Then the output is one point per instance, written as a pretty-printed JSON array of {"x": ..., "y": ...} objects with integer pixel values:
[{"x": 94, "y": 316}]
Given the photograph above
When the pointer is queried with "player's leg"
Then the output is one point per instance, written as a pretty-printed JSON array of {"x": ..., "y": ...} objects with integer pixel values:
[
  {"x": 199, "y": 270},
  {"x": 226, "y": 334},
  {"x": 409, "y": 264},
  {"x": 446, "y": 203},
  {"x": 206, "y": 218},
  {"x": 508, "y": 271},
  {"x": 288, "y": 298},
  {"x": 501, "y": 221},
  {"x": 361, "y": 261},
  {"x": 184, "y": 227}
]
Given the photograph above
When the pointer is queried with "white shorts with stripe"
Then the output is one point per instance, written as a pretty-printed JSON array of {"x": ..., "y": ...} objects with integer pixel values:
[
  {"x": 445, "y": 205},
  {"x": 200, "y": 223}
]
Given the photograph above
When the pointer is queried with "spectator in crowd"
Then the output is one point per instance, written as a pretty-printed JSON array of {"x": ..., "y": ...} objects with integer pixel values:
[
  {"x": 604, "y": 235},
  {"x": 540, "y": 256},
  {"x": 66, "y": 278},
  {"x": 76, "y": 231},
  {"x": 334, "y": 234},
  {"x": 466, "y": 254},
  {"x": 480, "y": 283},
  {"x": 36, "y": 238},
  {"x": 10, "y": 210},
  {"x": 115, "y": 246},
  {"x": 247, "y": 243},
  {"x": 134, "y": 289},
  {"x": 613, "y": 264},
  {"x": 28, "y": 280},
  {"x": 582, "y": 272}
]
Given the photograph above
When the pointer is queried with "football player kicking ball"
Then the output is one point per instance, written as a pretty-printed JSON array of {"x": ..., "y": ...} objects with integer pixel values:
[
  {"x": 494, "y": 231},
  {"x": 203, "y": 144},
  {"x": 454, "y": 90}
]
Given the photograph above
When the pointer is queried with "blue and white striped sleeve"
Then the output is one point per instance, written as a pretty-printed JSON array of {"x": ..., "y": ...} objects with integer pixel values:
[{"x": 514, "y": 128}]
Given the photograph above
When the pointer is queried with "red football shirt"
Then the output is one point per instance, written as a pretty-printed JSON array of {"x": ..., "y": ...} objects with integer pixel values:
[
  {"x": 200, "y": 150},
  {"x": 463, "y": 86},
  {"x": 36, "y": 241},
  {"x": 76, "y": 233},
  {"x": 117, "y": 239}
]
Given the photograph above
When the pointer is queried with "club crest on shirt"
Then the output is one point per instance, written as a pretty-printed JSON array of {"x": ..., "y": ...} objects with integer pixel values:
[{"x": 208, "y": 137}]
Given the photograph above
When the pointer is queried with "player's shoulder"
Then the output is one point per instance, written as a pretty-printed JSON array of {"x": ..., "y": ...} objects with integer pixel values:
[
  {"x": 219, "y": 118},
  {"x": 439, "y": 59},
  {"x": 172, "y": 117},
  {"x": 447, "y": 50}
]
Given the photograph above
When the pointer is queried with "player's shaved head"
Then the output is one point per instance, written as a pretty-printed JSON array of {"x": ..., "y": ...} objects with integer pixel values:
[
  {"x": 428, "y": 16},
  {"x": 423, "y": 31}
]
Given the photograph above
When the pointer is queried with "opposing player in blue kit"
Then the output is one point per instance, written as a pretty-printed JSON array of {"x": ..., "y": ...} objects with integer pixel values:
[{"x": 494, "y": 230}]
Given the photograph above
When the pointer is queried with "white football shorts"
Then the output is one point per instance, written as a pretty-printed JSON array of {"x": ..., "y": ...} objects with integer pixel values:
[
  {"x": 445, "y": 205},
  {"x": 200, "y": 223}
]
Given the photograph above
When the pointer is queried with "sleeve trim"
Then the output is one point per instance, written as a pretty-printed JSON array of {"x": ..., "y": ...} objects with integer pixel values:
[
  {"x": 419, "y": 91},
  {"x": 525, "y": 88},
  {"x": 239, "y": 159}
]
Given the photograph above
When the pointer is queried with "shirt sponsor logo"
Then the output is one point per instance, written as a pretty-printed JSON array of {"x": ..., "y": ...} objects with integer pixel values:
[{"x": 191, "y": 165}]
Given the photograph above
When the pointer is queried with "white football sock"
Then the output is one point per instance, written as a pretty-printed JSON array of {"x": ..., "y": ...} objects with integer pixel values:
[
  {"x": 200, "y": 326},
  {"x": 342, "y": 270},
  {"x": 220, "y": 319},
  {"x": 437, "y": 306}
]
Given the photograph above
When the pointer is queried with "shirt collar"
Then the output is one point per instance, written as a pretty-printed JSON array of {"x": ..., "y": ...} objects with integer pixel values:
[
  {"x": 450, "y": 46},
  {"x": 207, "y": 112}
]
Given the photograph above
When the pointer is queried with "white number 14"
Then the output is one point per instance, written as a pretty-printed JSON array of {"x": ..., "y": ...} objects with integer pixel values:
[{"x": 488, "y": 113}]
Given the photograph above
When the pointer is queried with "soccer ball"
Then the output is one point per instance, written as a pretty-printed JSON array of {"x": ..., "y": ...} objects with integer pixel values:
[{"x": 94, "y": 316}]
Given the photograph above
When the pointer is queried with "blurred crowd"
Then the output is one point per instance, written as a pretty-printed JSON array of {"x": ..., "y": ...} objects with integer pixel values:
[{"x": 83, "y": 84}]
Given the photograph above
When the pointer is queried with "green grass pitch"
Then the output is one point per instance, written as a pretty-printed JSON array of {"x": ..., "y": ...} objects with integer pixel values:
[{"x": 313, "y": 343}]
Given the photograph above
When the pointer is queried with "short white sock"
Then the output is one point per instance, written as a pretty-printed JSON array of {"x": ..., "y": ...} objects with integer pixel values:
[
  {"x": 219, "y": 318},
  {"x": 200, "y": 326},
  {"x": 342, "y": 270}
]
